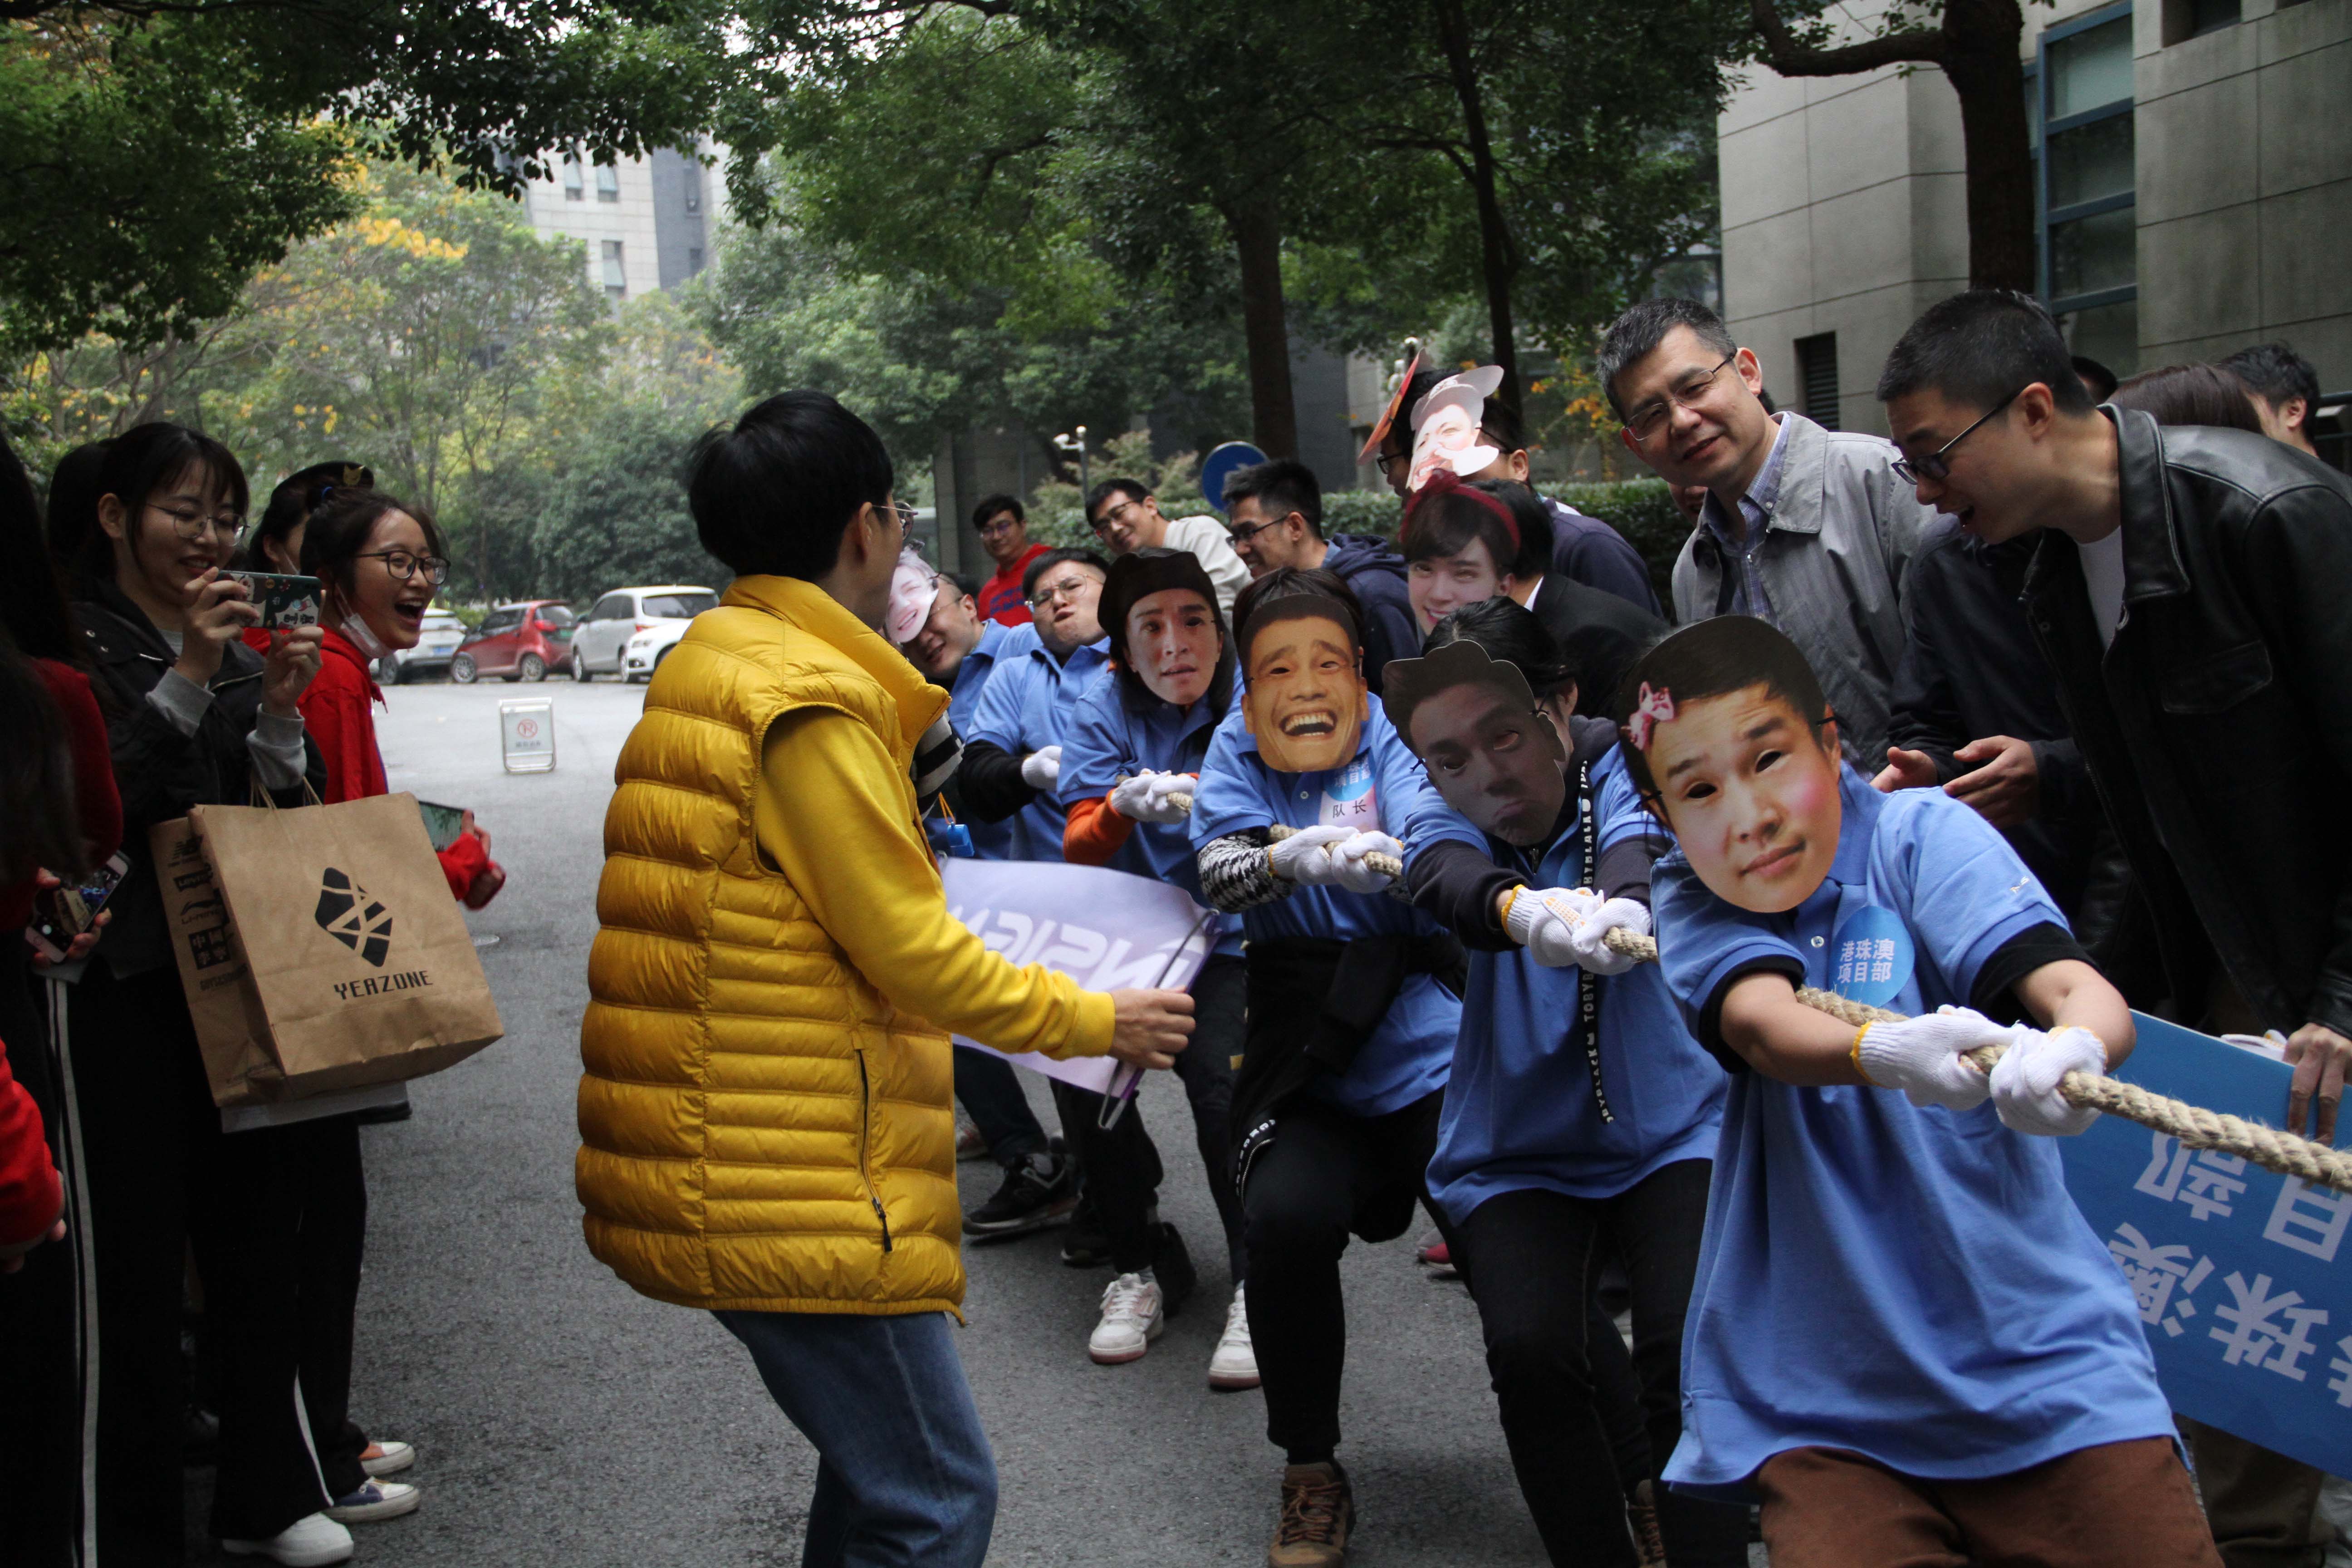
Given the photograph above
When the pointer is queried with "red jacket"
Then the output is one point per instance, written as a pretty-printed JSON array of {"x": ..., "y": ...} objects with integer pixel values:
[
  {"x": 31, "y": 1198},
  {"x": 339, "y": 712},
  {"x": 94, "y": 793}
]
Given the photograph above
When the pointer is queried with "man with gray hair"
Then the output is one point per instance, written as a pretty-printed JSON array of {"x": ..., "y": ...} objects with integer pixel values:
[{"x": 1806, "y": 528}]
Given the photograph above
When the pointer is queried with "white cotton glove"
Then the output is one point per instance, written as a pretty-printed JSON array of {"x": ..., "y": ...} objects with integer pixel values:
[
  {"x": 1592, "y": 952},
  {"x": 1171, "y": 796},
  {"x": 2025, "y": 1080},
  {"x": 1543, "y": 921},
  {"x": 1305, "y": 858},
  {"x": 1144, "y": 797},
  {"x": 1921, "y": 1057},
  {"x": 1041, "y": 769},
  {"x": 1355, "y": 875}
]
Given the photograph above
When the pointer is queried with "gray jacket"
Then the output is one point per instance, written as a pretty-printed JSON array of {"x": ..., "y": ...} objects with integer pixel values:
[{"x": 1840, "y": 536}]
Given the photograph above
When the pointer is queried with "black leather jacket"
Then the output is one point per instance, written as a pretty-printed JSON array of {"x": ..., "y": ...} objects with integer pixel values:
[
  {"x": 160, "y": 772},
  {"x": 2218, "y": 727}
]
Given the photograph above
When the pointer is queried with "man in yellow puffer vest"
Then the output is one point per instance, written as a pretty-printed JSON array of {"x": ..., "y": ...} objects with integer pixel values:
[{"x": 766, "y": 1123}]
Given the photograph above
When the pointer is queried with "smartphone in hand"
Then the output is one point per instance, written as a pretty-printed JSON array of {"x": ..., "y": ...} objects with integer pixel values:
[
  {"x": 63, "y": 913},
  {"x": 283, "y": 599}
]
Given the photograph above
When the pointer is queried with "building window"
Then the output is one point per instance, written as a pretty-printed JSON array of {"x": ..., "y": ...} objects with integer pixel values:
[
  {"x": 693, "y": 259},
  {"x": 617, "y": 277},
  {"x": 2082, "y": 86},
  {"x": 1817, "y": 369},
  {"x": 608, "y": 183},
  {"x": 2187, "y": 19},
  {"x": 574, "y": 185}
]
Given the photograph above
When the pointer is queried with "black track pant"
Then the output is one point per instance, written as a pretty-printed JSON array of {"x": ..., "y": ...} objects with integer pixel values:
[{"x": 1534, "y": 1262}]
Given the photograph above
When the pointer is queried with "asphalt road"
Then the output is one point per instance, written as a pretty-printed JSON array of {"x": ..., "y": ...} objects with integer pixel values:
[{"x": 562, "y": 1418}]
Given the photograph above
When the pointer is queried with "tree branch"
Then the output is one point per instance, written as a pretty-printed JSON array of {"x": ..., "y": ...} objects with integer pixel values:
[{"x": 1783, "y": 53}]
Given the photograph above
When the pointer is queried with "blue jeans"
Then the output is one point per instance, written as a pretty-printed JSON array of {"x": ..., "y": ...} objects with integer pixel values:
[{"x": 904, "y": 1476}]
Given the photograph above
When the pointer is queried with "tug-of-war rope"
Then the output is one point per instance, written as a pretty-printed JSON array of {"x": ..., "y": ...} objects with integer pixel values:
[{"x": 2195, "y": 1126}]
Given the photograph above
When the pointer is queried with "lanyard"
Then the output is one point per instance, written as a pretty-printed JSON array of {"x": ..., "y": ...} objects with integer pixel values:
[{"x": 1587, "y": 992}]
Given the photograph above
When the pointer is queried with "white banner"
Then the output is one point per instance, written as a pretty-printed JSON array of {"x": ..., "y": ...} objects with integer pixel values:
[{"x": 1105, "y": 930}]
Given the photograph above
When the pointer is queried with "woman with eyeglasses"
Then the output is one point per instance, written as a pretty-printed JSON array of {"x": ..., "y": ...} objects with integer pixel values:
[{"x": 193, "y": 716}]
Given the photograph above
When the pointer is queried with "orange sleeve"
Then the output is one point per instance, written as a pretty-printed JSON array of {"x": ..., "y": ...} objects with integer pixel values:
[{"x": 1092, "y": 833}]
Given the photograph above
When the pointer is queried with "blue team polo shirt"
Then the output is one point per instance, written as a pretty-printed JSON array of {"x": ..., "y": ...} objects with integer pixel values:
[
  {"x": 1910, "y": 1283},
  {"x": 1107, "y": 741},
  {"x": 998, "y": 642},
  {"x": 1383, "y": 789},
  {"x": 1522, "y": 1108},
  {"x": 1025, "y": 707}
]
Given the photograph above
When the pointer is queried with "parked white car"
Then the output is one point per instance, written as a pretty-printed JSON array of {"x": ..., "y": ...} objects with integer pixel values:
[
  {"x": 437, "y": 645},
  {"x": 644, "y": 653},
  {"x": 625, "y": 614}
]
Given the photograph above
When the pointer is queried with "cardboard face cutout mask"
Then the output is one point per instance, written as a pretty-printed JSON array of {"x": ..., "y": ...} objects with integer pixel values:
[
  {"x": 1445, "y": 424},
  {"x": 1307, "y": 700},
  {"x": 913, "y": 587},
  {"x": 1748, "y": 786},
  {"x": 1472, "y": 719}
]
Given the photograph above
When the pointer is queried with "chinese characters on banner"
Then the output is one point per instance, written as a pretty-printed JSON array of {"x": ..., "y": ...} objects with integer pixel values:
[{"x": 2238, "y": 1274}]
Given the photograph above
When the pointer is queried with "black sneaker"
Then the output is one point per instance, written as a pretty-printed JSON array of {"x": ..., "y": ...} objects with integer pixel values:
[
  {"x": 1037, "y": 1192},
  {"x": 1172, "y": 1265}
]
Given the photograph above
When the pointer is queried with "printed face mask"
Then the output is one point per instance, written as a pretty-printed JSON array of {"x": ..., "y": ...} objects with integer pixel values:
[
  {"x": 1471, "y": 721},
  {"x": 1306, "y": 698},
  {"x": 1445, "y": 423}
]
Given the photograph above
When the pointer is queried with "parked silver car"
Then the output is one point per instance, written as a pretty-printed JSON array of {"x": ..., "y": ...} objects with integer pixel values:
[
  {"x": 606, "y": 630},
  {"x": 436, "y": 644}
]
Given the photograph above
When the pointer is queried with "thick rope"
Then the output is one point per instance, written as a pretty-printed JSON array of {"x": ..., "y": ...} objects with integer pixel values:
[{"x": 2195, "y": 1126}]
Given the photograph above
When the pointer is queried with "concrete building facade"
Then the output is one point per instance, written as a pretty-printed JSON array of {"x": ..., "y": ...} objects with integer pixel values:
[
  {"x": 642, "y": 224},
  {"x": 2194, "y": 189}
]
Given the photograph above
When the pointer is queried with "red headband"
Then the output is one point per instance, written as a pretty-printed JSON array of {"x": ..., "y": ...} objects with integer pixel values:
[{"x": 1445, "y": 481}]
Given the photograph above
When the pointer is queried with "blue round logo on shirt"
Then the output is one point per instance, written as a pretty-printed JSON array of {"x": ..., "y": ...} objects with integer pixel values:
[{"x": 1871, "y": 958}]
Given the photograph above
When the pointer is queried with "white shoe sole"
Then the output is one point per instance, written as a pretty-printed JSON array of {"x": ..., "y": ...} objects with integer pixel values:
[
  {"x": 1120, "y": 1358},
  {"x": 364, "y": 1514},
  {"x": 317, "y": 1558},
  {"x": 392, "y": 1463},
  {"x": 1232, "y": 1381}
]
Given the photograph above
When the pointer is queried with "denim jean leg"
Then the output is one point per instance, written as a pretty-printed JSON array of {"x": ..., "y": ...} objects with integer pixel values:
[{"x": 905, "y": 1477}]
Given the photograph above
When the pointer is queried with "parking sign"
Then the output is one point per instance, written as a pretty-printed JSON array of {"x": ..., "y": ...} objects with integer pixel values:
[{"x": 527, "y": 735}]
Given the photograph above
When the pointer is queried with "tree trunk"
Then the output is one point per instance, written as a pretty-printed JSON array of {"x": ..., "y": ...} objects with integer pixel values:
[
  {"x": 1982, "y": 65},
  {"x": 1256, "y": 229},
  {"x": 1497, "y": 266}
]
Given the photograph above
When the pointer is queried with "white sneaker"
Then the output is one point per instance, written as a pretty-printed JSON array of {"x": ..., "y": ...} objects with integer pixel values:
[
  {"x": 1131, "y": 1319},
  {"x": 377, "y": 1500},
  {"x": 391, "y": 1457},
  {"x": 307, "y": 1542},
  {"x": 1234, "y": 1365}
]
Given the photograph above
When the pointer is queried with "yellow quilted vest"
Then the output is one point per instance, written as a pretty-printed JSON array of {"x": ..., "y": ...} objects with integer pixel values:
[{"x": 761, "y": 1129}]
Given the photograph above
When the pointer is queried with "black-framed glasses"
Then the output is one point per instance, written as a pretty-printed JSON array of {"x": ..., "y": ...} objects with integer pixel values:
[
  {"x": 1934, "y": 466},
  {"x": 192, "y": 524},
  {"x": 1110, "y": 515},
  {"x": 1243, "y": 533},
  {"x": 406, "y": 566},
  {"x": 1387, "y": 463},
  {"x": 1651, "y": 418}
]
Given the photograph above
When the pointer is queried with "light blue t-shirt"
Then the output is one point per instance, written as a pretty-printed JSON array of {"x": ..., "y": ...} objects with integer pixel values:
[
  {"x": 1383, "y": 789},
  {"x": 1526, "y": 1105},
  {"x": 1105, "y": 740},
  {"x": 1913, "y": 1284},
  {"x": 1023, "y": 708},
  {"x": 998, "y": 642}
]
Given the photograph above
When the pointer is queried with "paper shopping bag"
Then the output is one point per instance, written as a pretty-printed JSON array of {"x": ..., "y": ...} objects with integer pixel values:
[
  {"x": 358, "y": 961},
  {"x": 230, "y": 1029}
]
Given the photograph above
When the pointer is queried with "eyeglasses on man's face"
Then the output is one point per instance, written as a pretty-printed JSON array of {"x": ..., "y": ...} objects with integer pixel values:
[
  {"x": 405, "y": 565},
  {"x": 1241, "y": 533},
  {"x": 1113, "y": 514},
  {"x": 1646, "y": 421},
  {"x": 1048, "y": 594},
  {"x": 192, "y": 522},
  {"x": 1003, "y": 522},
  {"x": 1937, "y": 465}
]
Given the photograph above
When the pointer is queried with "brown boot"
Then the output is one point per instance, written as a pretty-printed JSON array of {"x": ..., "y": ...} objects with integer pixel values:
[{"x": 1317, "y": 1511}]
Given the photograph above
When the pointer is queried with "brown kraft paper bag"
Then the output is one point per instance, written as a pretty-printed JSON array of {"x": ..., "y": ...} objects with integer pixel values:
[
  {"x": 230, "y": 1029},
  {"x": 357, "y": 960}
]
